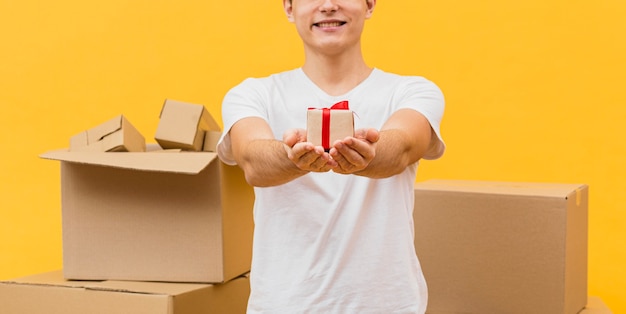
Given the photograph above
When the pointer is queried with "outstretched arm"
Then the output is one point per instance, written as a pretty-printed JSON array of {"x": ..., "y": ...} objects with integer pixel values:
[
  {"x": 404, "y": 139},
  {"x": 269, "y": 162}
]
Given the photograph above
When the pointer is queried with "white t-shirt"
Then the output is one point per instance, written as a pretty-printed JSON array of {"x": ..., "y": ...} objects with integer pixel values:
[{"x": 327, "y": 242}]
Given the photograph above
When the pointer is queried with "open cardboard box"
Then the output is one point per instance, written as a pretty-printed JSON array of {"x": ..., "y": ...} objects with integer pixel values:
[
  {"x": 49, "y": 293},
  {"x": 154, "y": 216},
  {"x": 498, "y": 247}
]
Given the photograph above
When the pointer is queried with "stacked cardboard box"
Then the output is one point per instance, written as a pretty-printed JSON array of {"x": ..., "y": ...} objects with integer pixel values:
[
  {"x": 134, "y": 217},
  {"x": 50, "y": 293},
  {"x": 184, "y": 125},
  {"x": 115, "y": 135},
  {"x": 498, "y": 247}
]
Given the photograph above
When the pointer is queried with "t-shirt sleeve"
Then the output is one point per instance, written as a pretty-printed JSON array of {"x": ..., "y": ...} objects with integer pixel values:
[
  {"x": 242, "y": 101},
  {"x": 427, "y": 98}
]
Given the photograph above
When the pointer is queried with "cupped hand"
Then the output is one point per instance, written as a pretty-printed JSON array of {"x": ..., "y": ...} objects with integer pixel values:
[
  {"x": 305, "y": 155},
  {"x": 354, "y": 154}
]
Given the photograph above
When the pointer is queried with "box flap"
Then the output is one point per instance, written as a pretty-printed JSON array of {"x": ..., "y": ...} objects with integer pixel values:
[
  {"x": 498, "y": 187},
  {"x": 55, "y": 279},
  {"x": 49, "y": 293},
  {"x": 183, "y": 162},
  {"x": 148, "y": 287}
]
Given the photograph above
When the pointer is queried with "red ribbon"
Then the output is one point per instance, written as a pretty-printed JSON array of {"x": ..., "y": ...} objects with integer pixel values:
[{"x": 342, "y": 105}]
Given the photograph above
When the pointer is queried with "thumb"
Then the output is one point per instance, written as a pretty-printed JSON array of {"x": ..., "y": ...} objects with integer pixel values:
[
  {"x": 371, "y": 135},
  {"x": 294, "y": 136}
]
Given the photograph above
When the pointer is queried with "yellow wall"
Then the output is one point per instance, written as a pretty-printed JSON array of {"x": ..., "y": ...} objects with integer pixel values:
[{"x": 534, "y": 93}]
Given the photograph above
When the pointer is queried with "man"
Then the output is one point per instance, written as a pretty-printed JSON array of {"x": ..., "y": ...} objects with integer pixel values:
[{"x": 333, "y": 230}]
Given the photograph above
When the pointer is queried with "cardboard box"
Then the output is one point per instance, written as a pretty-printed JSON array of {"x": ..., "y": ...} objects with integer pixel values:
[
  {"x": 596, "y": 306},
  {"x": 327, "y": 125},
  {"x": 498, "y": 247},
  {"x": 49, "y": 293},
  {"x": 211, "y": 138},
  {"x": 115, "y": 135},
  {"x": 154, "y": 216},
  {"x": 183, "y": 125}
]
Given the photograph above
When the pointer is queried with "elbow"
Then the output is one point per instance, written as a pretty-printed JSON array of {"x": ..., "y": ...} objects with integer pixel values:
[
  {"x": 259, "y": 179},
  {"x": 252, "y": 178},
  {"x": 256, "y": 181}
]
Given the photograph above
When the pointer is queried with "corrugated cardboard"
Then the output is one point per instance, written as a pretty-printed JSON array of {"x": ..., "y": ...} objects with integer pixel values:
[
  {"x": 498, "y": 247},
  {"x": 115, "y": 135},
  {"x": 341, "y": 126},
  {"x": 49, "y": 293},
  {"x": 595, "y": 305},
  {"x": 211, "y": 138},
  {"x": 154, "y": 216},
  {"x": 182, "y": 125}
]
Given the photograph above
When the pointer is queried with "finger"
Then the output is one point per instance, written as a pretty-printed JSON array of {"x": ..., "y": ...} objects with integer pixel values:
[
  {"x": 347, "y": 158},
  {"x": 355, "y": 151},
  {"x": 299, "y": 151},
  {"x": 343, "y": 166},
  {"x": 320, "y": 166},
  {"x": 371, "y": 135},
  {"x": 312, "y": 158},
  {"x": 294, "y": 136},
  {"x": 322, "y": 163}
]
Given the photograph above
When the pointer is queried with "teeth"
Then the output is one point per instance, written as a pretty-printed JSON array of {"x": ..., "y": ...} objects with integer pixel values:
[{"x": 329, "y": 24}]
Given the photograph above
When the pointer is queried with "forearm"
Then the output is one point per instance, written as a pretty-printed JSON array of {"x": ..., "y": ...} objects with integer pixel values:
[
  {"x": 393, "y": 154},
  {"x": 265, "y": 163},
  {"x": 403, "y": 140}
]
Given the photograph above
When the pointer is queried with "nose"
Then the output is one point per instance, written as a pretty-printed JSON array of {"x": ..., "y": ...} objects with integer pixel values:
[{"x": 328, "y": 6}]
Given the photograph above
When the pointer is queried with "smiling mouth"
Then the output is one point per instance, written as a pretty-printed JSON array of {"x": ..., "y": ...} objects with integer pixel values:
[{"x": 329, "y": 24}]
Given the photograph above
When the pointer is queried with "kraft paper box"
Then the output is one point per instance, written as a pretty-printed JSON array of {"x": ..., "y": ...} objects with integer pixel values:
[
  {"x": 49, "y": 293},
  {"x": 327, "y": 125},
  {"x": 183, "y": 125},
  {"x": 115, "y": 135},
  {"x": 211, "y": 138},
  {"x": 502, "y": 247},
  {"x": 154, "y": 216}
]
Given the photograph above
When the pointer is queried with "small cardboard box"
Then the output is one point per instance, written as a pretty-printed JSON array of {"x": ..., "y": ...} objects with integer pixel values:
[
  {"x": 211, "y": 138},
  {"x": 183, "y": 125},
  {"x": 115, "y": 135},
  {"x": 49, "y": 293},
  {"x": 327, "y": 125},
  {"x": 498, "y": 247},
  {"x": 154, "y": 216}
]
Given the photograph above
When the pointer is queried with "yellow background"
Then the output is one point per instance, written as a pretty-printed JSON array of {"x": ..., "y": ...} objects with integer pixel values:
[{"x": 534, "y": 90}]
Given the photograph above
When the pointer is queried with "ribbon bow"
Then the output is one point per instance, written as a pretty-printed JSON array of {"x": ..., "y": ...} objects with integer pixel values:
[{"x": 342, "y": 105}]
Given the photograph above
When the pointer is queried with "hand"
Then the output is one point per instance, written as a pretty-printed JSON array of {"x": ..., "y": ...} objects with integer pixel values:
[
  {"x": 304, "y": 154},
  {"x": 354, "y": 154}
]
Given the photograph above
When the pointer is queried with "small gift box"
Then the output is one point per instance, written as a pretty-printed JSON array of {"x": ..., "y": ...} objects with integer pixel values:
[{"x": 326, "y": 125}]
